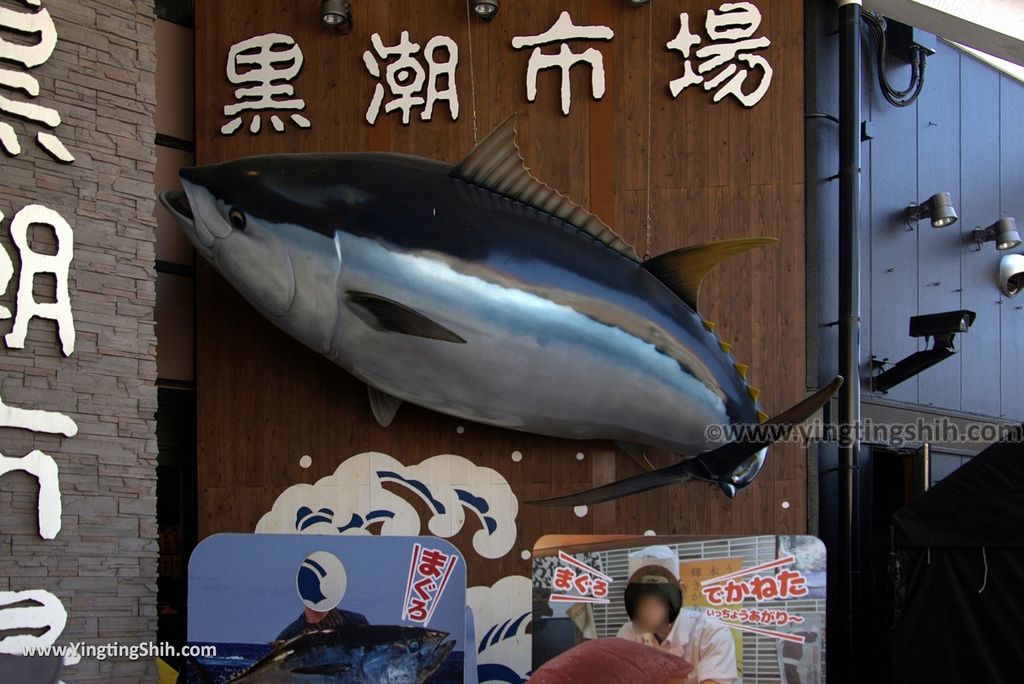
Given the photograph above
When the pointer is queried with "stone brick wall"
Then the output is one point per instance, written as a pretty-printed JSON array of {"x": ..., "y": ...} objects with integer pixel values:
[{"x": 103, "y": 563}]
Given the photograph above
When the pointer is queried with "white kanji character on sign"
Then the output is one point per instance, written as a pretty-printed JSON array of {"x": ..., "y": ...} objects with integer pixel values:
[
  {"x": 731, "y": 30},
  {"x": 37, "y": 464},
  {"x": 29, "y": 620},
  {"x": 683, "y": 43},
  {"x": 561, "y": 31},
  {"x": 33, "y": 263},
  {"x": 269, "y": 63},
  {"x": 405, "y": 77},
  {"x": 29, "y": 53},
  {"x": 44, "y": 469}
]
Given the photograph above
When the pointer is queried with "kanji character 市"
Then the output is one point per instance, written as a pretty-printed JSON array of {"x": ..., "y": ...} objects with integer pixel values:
[
  {"x": 406, "y": 77},
  {"x": 731, "y": 29},
  {"x": 37, "y": 464},
  {"x": 265, "y": 66},
  {"x": 562, "y": 31},
  {"x": 30, "y": 53}
]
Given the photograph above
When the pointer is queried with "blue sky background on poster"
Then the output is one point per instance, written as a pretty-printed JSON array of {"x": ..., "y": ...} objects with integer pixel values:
[{"x": 243, "y": 586}]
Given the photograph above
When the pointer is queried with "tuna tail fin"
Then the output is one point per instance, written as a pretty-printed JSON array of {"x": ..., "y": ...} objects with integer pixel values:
[{"x": 717, "y": 465}]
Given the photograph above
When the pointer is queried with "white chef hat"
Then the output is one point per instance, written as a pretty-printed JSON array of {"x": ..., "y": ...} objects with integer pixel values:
[{"x": 659, "y": 555}]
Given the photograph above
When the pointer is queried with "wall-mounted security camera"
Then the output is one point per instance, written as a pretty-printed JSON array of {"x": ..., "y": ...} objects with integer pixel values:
[
  {"x": 1011, "y": 274},
  {"x": 942, "y": 328}
]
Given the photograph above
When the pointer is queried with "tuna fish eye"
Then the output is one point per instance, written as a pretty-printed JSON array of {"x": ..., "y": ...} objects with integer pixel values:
[
  {"x": 414, "y": 646},
  {"x": 237, "y": 218}
]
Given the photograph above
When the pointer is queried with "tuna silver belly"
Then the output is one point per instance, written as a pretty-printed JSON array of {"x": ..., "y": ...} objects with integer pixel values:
[{"x": 531, "y": 361}]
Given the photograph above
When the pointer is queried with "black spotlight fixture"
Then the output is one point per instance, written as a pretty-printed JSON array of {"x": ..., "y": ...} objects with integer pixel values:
[
  {"x": 938, "y": 208},
  {"x": 485, "y": 9},
  {"x": 337, "y": 14},
  {"x": 942, "y": 328},
  {"x": 1003, "y": 232},
  {"x": 638, "y": 3}
]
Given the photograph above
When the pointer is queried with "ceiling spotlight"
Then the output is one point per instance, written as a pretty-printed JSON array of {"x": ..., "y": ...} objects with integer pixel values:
[
  {"x": 938, "y": 207},
  {"x": 638, "y": 3},
  {"x": 337, "y": 14},
  {"x": 485, "y": 9},
  {"x": 1003, "y": 232}
]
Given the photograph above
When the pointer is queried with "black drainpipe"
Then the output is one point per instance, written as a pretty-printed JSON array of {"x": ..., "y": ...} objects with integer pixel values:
[{"x": 849, "y": 313}]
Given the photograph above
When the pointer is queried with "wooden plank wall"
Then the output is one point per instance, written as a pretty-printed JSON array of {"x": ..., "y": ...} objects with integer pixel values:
[{"x": 698, "y": 170}]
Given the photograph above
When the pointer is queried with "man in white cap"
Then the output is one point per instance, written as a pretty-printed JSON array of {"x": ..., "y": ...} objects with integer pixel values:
[{"x": 654, "y": 597}]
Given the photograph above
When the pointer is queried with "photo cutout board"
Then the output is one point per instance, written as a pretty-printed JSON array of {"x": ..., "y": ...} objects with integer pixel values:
[
  {"x": 282, "y": 607},
  {"x": 678, "y": 608}
]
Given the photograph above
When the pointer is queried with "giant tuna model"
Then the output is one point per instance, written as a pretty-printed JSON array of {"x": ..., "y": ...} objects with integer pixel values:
[
  {"x": 478, "y": 291},
  {"x": 360, "y": 654}
]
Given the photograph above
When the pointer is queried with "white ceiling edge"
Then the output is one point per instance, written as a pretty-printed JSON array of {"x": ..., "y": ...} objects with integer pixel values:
[
  {"x": 993, "y": 27},
  {"x": 1004, "y": 65}
]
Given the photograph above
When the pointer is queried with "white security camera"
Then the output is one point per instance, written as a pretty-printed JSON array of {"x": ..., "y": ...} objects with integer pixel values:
[{"x": 1011, "y": 274}]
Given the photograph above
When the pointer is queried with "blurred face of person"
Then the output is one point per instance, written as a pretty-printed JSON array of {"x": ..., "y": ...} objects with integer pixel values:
[{"x": 651, "y": 614}]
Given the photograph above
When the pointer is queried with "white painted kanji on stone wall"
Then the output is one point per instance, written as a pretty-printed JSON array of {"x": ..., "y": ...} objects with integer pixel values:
[
  {"x": 78, "y": 356},
  {"x": 19, "y": 85}
]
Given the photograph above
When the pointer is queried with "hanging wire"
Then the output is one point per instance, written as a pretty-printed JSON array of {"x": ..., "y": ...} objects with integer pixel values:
[
  {"x": 472, "y": 75},
  {"x": 984, "y": 581},
  {"x": 876, "y": 24},
  {"x": 650, "y": 139}
]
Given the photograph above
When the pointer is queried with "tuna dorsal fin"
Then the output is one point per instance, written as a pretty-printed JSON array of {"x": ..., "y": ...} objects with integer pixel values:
[
  {"x": 682, "y": 270},
  {"x": 496, "y": 164}
]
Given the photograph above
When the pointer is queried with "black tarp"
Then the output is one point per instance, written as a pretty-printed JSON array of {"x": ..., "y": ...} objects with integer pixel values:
[{"x": 959, "y": 613}]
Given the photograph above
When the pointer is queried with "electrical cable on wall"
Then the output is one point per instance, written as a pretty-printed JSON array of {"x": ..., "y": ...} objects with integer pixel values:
[{"x": 876, "y": 25}]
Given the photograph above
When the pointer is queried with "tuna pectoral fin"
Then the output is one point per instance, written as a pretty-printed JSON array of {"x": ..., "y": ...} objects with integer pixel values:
[
  {"x": 630, "y": 485},
  {"x": 326, "y": 670},
  {"x": 683, "y": 270},
  {"x": 383, "y": 405},
  {"x": 387, "y": 315},
  {"x": 716, "y": 465}
]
